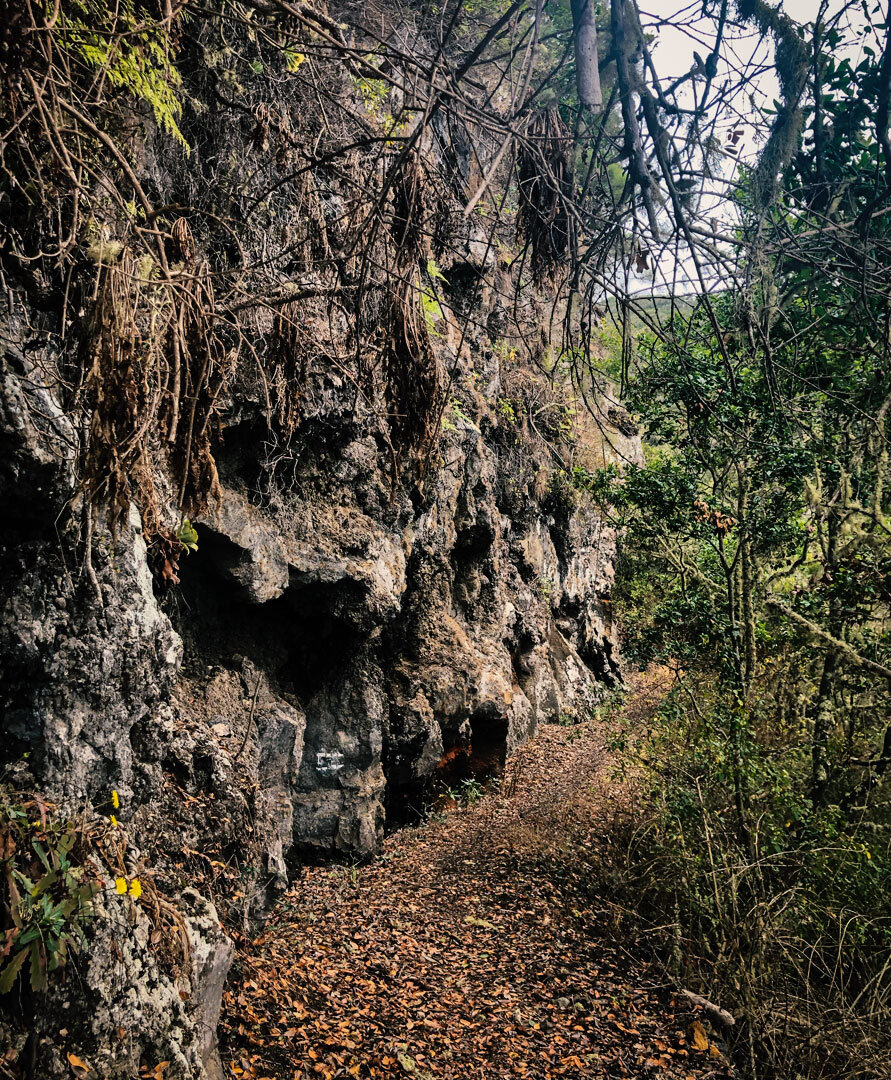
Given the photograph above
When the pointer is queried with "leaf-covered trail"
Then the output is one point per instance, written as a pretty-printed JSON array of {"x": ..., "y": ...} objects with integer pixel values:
[{"x": 471, "y": 947}]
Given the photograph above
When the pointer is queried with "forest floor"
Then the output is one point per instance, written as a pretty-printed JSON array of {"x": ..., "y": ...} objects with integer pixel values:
[{"x": 477, "y": 944}]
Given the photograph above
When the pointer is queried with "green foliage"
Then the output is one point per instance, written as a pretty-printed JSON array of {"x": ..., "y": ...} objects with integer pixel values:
[
  {"x": 755, "y": 572},
  {"x": 731, "y": 479},
  {"x": 467, "y": 791},
  {"x": 459, "y": 412},
  {"x": 803, "y": 922},
  {"x": 375, "y": 94},
  {"x": 187, "y": 535},
  {"x": 47, "y": 892},
  {"x": 584, "y": 479},
  {"x": 545, "y": 587},
  {"x": 795, "y": 931},
  {"x": 434, "y": 273},
  {"x": 431, "y": 308},
  {"x": 130, "y": 49}
]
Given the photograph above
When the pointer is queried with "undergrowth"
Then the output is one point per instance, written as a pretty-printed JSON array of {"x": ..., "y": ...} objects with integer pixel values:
[
  {"x": 794, "y": 937},
  {"x": 53, "y": 868}
]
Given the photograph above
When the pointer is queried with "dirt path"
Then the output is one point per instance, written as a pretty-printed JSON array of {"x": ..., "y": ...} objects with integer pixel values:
[{"x": 472, "y": 947}]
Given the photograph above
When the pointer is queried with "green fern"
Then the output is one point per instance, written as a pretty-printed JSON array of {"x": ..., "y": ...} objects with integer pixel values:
[{"x": 131, "y": 51}]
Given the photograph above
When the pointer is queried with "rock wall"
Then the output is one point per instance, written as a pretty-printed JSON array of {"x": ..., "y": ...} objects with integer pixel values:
[
  {"x": 329, "y": 660},
  {"x": 356, "y": 630}
]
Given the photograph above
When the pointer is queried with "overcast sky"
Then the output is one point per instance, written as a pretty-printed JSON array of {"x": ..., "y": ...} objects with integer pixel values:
[{"x": 679, "y": 31}]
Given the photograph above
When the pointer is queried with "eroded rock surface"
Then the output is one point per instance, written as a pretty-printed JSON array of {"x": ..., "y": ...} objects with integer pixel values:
[
  {"x": 361, "y": 626},
  {"x": 333, "y": 654}
]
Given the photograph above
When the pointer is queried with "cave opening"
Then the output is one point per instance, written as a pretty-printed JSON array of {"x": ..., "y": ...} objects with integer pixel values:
[
  {"x": 469, "y": 764},
  {"x": 298, "y": 640}
]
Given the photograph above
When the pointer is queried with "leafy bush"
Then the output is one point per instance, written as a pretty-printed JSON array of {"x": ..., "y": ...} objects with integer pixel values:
[{"x": 755, "y": 555}]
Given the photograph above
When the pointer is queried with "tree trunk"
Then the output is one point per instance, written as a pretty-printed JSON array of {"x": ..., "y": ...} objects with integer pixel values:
[
  {"x": 823, "y": 718},
  {"x": 587, "y": 70}
]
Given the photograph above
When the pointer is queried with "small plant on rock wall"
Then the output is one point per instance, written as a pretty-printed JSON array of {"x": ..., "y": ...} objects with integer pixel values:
[
  {"x": 187, "y": 536},
  {"x": 165, "y": 550},
  {"x": 508, "y": 409},
  {"x": 46, "y": 892},
  {"x": 545, "y": 587},
  {"x": 460, "y": 413},
  {"x": 582, "y": 478}
]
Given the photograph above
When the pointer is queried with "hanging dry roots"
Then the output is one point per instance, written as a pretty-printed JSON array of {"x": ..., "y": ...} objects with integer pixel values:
[
  {"x": 287, "y": 365},
  {"x": 544, "y": 180},
  {"x": 409, "y": 225},
  {"x": 120, "y": 395},
  {"x": 411, "y": 370},
  {"x": 154, "y": 370},
  {"x": 201, "y": 372}
]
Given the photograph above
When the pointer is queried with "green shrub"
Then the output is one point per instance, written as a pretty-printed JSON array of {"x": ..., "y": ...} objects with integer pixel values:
[
  {"x": 792, "y": 936},
  {"x": 46, "y": 891}
]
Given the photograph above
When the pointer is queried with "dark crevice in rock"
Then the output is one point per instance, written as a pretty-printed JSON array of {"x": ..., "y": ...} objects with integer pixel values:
[
  {"x": 600, "y": 660},
  {"x": 462, "y": 285},
  {"x": 299, "y": 640},
  {"x": 477, "y": 752},
  {"x": 488, "y": 743}
]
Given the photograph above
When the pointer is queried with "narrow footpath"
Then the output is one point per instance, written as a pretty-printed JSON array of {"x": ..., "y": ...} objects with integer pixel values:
[{"x": 474, "y": 946}]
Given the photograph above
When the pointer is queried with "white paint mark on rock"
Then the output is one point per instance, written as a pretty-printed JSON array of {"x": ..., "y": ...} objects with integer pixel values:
[{"x": 329, "y": 761}]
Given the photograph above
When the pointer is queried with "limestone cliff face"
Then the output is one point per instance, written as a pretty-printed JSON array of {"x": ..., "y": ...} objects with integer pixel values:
[
  {"x": 356, "y": 630},
  {"x": 347, "y": 639},
  {"x": 330, "y": 657}
]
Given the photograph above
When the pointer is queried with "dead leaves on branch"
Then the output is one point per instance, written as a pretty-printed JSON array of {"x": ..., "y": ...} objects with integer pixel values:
[
  {"x": 411, "y": 372},
  {"x": 544, "y": 177}
]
